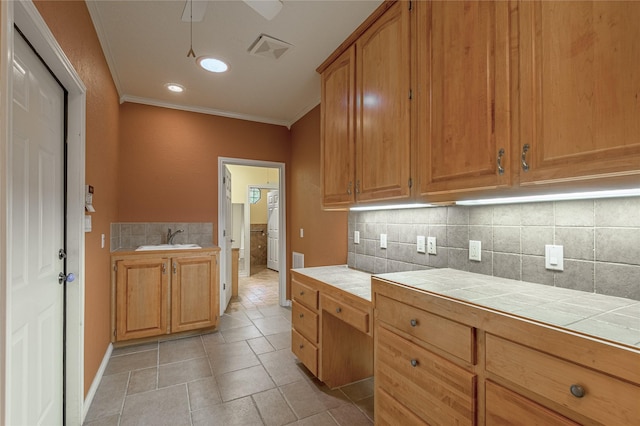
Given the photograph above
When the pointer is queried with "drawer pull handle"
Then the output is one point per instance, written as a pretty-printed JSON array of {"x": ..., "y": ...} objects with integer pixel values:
[
  {"x": 338, "y": 310},
  {"x": 414, "y": 362},
  {"x": 413, "y": 322},
  {"x": 577, "y": 391},
  {"x": 301, "y": 315}
]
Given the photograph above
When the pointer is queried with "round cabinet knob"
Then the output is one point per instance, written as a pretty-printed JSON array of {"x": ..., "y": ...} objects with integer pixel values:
[
  {"x": 413, "y": 322},
  {"x": 338, "y": 310},
  {"x": 414, "y": 362},
  {"x": 301, "y": 346},
  {"x": 301, "y": 315},
  {"x": 302, "y": 293},
  {"x": 577, "y": 391}
]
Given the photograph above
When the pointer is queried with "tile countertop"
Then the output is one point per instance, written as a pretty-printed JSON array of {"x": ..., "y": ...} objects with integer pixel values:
[
  {"x": 342, "y": 277},
  {"x": 611, "y": 318}
]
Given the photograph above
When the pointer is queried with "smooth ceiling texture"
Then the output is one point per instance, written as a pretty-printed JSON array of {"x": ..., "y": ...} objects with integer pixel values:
[{"x": 146, "y": 45}]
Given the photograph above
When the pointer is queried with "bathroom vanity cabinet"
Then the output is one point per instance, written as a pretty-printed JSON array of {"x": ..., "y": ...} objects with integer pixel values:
[{"x": 163, "y": 292}]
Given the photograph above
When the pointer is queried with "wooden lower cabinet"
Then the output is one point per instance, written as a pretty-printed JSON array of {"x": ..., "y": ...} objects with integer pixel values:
[
  {"x": 142, "y": 290},
  {"x": 507, "y": 408},
  {"x": 331, "y": 331},
  {"x": 162, "y": 293},
  {"x": 495, "y": 369}
]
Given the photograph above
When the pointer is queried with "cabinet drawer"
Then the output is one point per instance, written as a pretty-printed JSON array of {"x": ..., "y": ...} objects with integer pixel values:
[
  {"x": 352, "y": 316},
  {"x": 606, "y": 400},
  {"x": 509, "y": 408},
  {"x": 438, "y": 391},
  {"x": 305, "y": 322},
  {"x": 304, "y": 294},
  {"x": 450, "y": 336},
  {"x": 390, "y": 412},
  {"x": 305, "y": 351}
]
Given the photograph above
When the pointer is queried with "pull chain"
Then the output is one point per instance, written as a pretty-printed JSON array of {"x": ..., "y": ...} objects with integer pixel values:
[{"x": 191, "y": 53}]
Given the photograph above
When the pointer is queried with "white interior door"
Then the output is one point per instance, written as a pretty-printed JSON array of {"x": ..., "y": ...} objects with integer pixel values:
[
  {"x": 273, "y": 231},
  {"x": 228, "y": 235},
  {"x": 36, "y": 231}
]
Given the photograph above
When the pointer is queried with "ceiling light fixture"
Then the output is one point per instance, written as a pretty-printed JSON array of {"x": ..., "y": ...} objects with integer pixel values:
[
  {"x": 212, "y": 64},
  {"x": 174, "y": 87},
  {"x": 554, "y": 197}
]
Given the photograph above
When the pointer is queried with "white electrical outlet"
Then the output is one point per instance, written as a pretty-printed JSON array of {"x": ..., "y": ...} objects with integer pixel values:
[
  {"x": 554, "y": 257},
  {"x": 356, "y": 237},
  {"x": 475, "y": 249},
  {"x": 431, "y": 245},
  {"x": 383, "y": 241},
  {"x": 420, "y": 244}
]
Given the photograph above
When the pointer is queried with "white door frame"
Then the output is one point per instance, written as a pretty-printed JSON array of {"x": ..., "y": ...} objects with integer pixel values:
[
  {"x": 282, "y": 258},
  {"x": 25, "y": 15},
  {"x": 247, "y": 223}
]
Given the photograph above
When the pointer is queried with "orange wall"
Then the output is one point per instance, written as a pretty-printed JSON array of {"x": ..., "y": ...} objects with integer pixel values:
[
  {"x": 169, "y": 161},
  {"x": 72, "y": 27},
  {"x": 325, "y": 232}
]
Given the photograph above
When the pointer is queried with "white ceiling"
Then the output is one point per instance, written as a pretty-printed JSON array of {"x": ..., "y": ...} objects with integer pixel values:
[{"x": 146, "y": 45}]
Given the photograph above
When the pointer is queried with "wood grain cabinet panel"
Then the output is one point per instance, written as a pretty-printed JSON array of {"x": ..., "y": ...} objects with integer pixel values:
[
  {"x": 365, "y": 114},
  {"x": 437, "y": 390},
  {"x": 507, "y": 408},
  {"x": 142, "y": 298},
  {"x": 305, "y": 351},
  {"x": 305, "y": 322},
  {"x": 454, "y": 338},
  {"x": 579, "y": 90},
  {"x": 304, "y": 294},
  {"x": 383, "y": 123},
  {"x": 194, "y": 301},
  {"x": 346, "y": 313},
  {"x": 337, "y": 133},
  {"x": 463, "y": 99},
  {"x": 606, "y": 400}
]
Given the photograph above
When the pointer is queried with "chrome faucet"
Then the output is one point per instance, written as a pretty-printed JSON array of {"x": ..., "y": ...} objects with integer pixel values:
[{"x": 171, "y": 236}]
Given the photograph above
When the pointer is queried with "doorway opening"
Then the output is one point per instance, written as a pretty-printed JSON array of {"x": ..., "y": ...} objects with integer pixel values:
[{"x": 251, "y": 180}]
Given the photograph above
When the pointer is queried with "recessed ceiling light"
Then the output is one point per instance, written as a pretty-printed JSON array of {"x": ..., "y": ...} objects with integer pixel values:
[
  {"x": 176, "y": 88},
  {"x": 212, "y": 64}
]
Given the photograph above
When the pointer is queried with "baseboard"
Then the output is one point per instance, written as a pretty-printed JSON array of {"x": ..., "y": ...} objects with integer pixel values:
[{"x": 96, "y": 381}]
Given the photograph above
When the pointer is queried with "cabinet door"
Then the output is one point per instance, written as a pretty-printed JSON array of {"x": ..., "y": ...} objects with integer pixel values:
[
  {"x": 141, "y": 298},
  {"x": 580, "y": 90},
  {"x": 463, "y": 97},
  {"x": 194, "y": 292},
  {"x": 383, "y": 72},
  {"x": 337, "y": 131}
]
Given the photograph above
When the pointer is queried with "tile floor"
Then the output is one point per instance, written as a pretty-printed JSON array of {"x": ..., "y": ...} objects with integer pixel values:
[{"x": 243, "y": 374}]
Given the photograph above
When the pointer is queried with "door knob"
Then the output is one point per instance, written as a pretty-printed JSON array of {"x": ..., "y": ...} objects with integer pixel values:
[{"x": 68, "y": 278}]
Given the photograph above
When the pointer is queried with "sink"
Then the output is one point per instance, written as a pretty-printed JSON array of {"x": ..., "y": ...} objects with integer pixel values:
[{"x": 168, "y": 247}]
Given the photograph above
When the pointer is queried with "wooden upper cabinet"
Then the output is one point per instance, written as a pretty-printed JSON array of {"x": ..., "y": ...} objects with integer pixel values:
[
  {"x": 337, "y": 131},
  {"x": 383, "y": 74},
  {"x": 579, "y": 90},
  {"x": 463, "y": 97},
  {"x": 194, "y": 292}
]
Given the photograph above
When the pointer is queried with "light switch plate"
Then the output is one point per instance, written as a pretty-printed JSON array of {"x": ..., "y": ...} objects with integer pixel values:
[
  {"x": 301, "y": 233},
  {"x": 383, "y": 241},
  {"x": 554, "y": 257},
  {"x": 431, "y": 245},
  {"x": 475, "y": 250},
  {"x": 420, "y": 244},
  {"x": 356, "y": 237}
]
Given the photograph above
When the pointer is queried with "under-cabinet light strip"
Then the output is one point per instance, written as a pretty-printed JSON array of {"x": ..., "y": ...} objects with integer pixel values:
[
  {"x": 553, "y": 197},
  {"x": 391, "y": 207}
]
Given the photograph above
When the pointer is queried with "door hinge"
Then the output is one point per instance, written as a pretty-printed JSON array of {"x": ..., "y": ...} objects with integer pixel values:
[
  {"x": 410, "y": 5},
  {"x": 224, "y": 286},
  {"x": 410, "y": 183},
  {"x": 224, "y": 180},
  {"x": 224, "y": 232},
  {"x": 115, "y": 333},
  {"x": 115, "y": 268},
  {"x": 410, "y": 94}
]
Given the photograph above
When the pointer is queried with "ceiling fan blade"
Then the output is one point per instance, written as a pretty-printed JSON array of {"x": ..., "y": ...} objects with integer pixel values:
[{"x": 268, "y": 9}]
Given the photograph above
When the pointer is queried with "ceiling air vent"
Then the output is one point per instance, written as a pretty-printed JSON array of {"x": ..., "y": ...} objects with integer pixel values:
[{"x": 269, "y": 47}]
